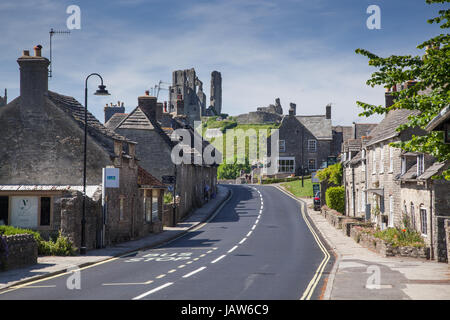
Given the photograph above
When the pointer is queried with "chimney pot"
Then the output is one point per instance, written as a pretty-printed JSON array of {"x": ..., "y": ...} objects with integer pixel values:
[
  {"x": 147, "y": 92},
  {"x": 37, "y": 50}
]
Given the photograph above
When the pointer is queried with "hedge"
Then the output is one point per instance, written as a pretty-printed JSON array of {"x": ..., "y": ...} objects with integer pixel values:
[{"x": 335, "y": 198}]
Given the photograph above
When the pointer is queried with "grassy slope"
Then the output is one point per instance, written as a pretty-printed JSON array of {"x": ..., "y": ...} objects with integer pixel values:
[{"x": 295, "y": 187}]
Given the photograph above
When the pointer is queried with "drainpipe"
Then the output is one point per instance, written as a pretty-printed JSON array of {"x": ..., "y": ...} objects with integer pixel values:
[{"x": 353, "y": 191}]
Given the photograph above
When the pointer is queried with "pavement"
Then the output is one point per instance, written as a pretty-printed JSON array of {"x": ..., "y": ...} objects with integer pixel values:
[
  {"x": 49, "y": 266},
  {"x": 360, "y": 274}
]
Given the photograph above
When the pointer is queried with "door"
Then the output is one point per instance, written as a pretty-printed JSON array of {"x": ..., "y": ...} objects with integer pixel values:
[{"x": 4, "y": 210}]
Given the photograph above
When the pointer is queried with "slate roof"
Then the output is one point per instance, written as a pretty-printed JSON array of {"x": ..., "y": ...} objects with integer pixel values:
[
  {"x": 432, "y": 170},
  {"x": 436, "y": 122},
  {"x": 96, "y": 129},
  {"x": 319, "y": 126},
  {"x": 115, "y": 120},
  {"x": 386, "y": 129}
]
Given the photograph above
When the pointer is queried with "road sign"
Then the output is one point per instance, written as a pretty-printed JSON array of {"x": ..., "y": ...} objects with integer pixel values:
[
  {"x": 314, "y": 178},
  {"x": 111, "y": 177},
  {"x": 168, "y": 179}
]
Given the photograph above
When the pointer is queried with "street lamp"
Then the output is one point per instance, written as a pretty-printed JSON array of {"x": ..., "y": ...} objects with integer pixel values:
[{"x": 100, "y": 92}]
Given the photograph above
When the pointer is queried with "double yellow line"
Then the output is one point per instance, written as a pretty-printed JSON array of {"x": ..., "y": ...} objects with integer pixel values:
[{"x": 316, "y": 278}]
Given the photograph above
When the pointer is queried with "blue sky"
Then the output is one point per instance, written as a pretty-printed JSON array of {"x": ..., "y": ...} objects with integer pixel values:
[{"x": 301, "y": 51}]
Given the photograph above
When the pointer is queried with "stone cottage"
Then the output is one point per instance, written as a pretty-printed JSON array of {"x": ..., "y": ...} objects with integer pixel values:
[
  {"x": 41, "y": 167},
  {"x": 305, "y": 142},
  {"x": 153, "y": 129}
]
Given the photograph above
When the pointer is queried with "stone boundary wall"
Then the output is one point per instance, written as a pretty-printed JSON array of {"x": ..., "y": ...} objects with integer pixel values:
[
  {"x": 349, "y": 227},
  {"x": 22, "y": 251},
  {"x": 385, "y": 249}
]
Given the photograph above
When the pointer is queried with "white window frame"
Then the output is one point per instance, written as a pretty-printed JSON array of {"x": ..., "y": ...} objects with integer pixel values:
[
  {"x": 315, "y": 164},
  {"x": 420, "y": 164},
  {"x": 391, "y": 211},
  {"x": 391, "y": 159},
  {"x": 374, "y": 161},
  {"x": 286, "y": 159},
  {"x": 423, "y": 221},
  {"x": 282, "y": 145},
  {"x": 314, "y": 142},
  {"x": 382, "y": 159},
  {"x": 363, "y": 202},
  {"x": 403, "y": 166}
]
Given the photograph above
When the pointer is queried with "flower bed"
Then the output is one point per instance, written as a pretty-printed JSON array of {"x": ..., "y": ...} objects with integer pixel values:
[{"x": 386, "y": 244}]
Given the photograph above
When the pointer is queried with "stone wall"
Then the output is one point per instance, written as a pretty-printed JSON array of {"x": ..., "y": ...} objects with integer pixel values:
[
  {"x": 385, "y": 249},
  {"x": 256, "y": 117},
  {"x": 22, "y": 251}
]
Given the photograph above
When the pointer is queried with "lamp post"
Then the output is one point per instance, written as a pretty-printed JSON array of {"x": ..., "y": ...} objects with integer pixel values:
[{"x": 100, "y": 92}]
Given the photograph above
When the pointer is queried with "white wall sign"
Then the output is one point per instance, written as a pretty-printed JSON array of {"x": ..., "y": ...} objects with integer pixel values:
[
  {"x": 111, "y": 177},
  {"x": 24, "y": 212}
]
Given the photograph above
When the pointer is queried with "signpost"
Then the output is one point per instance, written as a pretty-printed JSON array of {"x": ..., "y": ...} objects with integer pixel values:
[{"x": 110, "y": 179}]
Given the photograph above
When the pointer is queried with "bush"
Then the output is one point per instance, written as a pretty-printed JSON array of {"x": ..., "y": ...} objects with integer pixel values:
[
  {"x": 335, "y": 198},
  {"x": 288, "y": 179},
  {"x": 331, "y": 174},
  {"x": 62, "y": 246}
]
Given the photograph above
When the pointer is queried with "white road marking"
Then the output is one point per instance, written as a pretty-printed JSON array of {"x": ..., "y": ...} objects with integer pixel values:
[
  {"x": 194, "y": 272},
  {"x": 160, "y": 276},
  {"x": 248, "y": 234},
  {"x": 182, "y": 266},
  {"x": 172, "y": 271},
  {"x": 242, "y": 241},
  {"x": 254, "y": 226},
  {"x": 232, "y": 249},
  {"x": 153, "y": 290},
  {"x": 219, "y": 258}
]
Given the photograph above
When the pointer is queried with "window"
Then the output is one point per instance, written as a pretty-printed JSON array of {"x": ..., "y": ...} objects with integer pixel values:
[
  {"x": 374, "y": 161},
  {"x": 312, "y": 145},
  {"x": 312, "y": 164},
  {"x": 45, "y": 211},
  {"x": 413, "y": 216},
  {"x": 282, "y": 145},
  {"x": 420, "y": 164},
  {"x": 391, "y": 159},
  {"x": 423, "y": 221},
  {"x": 403, "y": 169},
  {"x": 286, "y": 165},
  {"x": 382, "y": 159},
  {"x": 363, "y": 202},
  {"x": 391, "y": 211}
]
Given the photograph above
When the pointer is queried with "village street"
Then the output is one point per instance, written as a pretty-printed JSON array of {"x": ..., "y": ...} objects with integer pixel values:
[{"x": 258, "y": 246}]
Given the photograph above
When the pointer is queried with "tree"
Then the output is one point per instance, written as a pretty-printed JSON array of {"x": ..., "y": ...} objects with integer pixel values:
[
  {"x": 332, "y": 174},
  {"x": 432, "y": 74}
]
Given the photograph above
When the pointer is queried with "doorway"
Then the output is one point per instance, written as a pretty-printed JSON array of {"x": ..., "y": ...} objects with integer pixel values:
[{"x": 4, "y": 210}]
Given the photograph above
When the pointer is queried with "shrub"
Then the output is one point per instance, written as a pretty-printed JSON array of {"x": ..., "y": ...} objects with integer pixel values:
[
  {"x": 62, "y": 246},
  {"x": 331, "y": 174},
  {"x": 335, "y": 198}
]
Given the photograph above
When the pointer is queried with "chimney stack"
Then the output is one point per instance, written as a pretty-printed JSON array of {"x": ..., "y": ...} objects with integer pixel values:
[
  {"x": 292, "y": 109},
  {"x": 112, "y": 110},
  {"x": 388, "y": 97},
  {"x": 328, "y": 111},
  {"x": 148, "y": 105},
  {"x": 33, "y": 78}
]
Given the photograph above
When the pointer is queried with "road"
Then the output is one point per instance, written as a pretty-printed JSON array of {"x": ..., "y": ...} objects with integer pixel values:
[{"x": 258, "y": 246}]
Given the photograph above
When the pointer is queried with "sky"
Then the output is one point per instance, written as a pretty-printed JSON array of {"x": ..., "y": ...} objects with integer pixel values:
[{"x": 300, "y": 51}]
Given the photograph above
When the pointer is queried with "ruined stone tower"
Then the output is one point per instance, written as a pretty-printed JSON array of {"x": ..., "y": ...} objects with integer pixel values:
[
  {"x": 216, "y": 92},
  {"x": 183, "y": 92}
]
